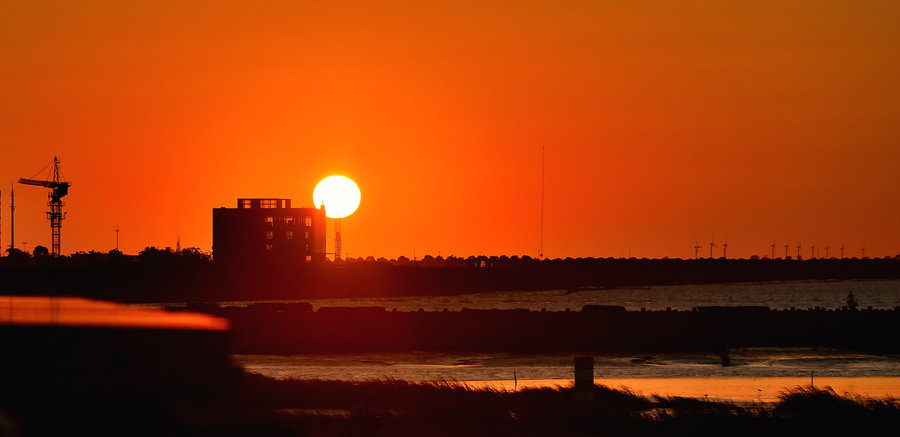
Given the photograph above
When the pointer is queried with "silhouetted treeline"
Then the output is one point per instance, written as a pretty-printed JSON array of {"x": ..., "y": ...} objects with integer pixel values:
[{"x": 160, "y": 275}]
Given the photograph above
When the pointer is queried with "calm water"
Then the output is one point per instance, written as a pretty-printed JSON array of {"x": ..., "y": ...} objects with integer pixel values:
[
  {"x": 420, "y": 366},
  {"x": 753, "y": 374},
  {"x": 884, "y": 294}
]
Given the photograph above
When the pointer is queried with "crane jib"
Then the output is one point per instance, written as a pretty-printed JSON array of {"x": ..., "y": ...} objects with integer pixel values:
[{"x": 59, "y": 189}]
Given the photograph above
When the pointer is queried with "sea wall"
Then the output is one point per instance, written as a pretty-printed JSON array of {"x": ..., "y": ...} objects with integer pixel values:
[{"x": 295, "y": 328}]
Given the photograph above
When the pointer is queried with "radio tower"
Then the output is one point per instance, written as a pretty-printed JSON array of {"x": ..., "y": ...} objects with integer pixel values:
[
  {"x": 12, "y": 218},
  {"x": 58, "y": 190},
  {"x": 541, "y": 250}
]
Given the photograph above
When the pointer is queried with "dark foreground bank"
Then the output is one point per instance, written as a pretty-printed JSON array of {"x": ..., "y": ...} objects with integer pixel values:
[{"x": 254, "y": 405}]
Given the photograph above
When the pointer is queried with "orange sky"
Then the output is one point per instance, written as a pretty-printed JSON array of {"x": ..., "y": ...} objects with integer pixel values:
[{"x": 664, "y": 122}]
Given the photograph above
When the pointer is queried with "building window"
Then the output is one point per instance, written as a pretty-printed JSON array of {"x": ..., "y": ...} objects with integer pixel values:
[
  {"x": 308, "y": 220},
  {"x": 246, "y": 203},
  {"x": 289, "y": 220},
  {"x": 269, "y": 246},
  {"x": 270, "y": 235},
  {"x": 307, "y": 235},
  {"x": 268, "y": 203},
  {"x": 308, "y": 259},
  {"x": 289, "y": 235},
  {"x": 270, "y": 221}
]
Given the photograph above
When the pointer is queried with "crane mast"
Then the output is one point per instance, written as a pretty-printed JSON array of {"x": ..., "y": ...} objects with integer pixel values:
[{"x": 58, "y": 190}]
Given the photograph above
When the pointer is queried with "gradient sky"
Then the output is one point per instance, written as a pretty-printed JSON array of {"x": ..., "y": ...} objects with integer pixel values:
[{"x": 664, "y": 123}]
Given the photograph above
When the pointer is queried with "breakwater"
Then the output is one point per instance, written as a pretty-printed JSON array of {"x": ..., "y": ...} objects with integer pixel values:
[
  {"x": 163, "y": 276},
  {"x": 295, "y": 328}
]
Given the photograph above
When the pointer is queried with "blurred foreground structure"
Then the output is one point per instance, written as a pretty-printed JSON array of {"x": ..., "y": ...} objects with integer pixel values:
[{"x": 76, "y": 364}]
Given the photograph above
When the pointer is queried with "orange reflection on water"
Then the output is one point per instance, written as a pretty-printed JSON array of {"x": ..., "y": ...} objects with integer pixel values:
[
  {"x": 735, "y": 389},
  {"x": 79, "y": 312}
]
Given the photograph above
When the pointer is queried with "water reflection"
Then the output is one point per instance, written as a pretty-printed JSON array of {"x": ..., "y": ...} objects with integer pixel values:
[{"x": 733, "y": 389}]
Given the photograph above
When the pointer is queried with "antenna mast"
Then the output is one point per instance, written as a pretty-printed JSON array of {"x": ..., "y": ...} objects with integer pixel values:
[
  {"x": 12, "y": 218},
  {"x": 541, "y": 250}
]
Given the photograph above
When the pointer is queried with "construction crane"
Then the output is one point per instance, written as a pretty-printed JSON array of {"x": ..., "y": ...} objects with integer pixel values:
[{"x": 58, "y": 190}]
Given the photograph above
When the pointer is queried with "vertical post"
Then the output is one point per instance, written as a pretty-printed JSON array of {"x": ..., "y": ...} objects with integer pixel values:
[
  {"x": 12, "y": 218},
  {"x": 337, "y": 239},
  {"x": 541, "y": 250},
  {"x": 584, "y": 378}
]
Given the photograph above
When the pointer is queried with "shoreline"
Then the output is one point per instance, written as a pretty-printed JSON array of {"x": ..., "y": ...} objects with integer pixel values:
[{"x": 721, "y": 389}]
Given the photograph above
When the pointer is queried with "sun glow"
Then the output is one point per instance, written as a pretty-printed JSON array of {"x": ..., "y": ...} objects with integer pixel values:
[{"x": 339, "y": 194}]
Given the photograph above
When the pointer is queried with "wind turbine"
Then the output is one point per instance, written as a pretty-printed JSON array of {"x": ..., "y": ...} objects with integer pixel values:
[
  {"x": 712, "y": 244},
  {"x": 787, "y": 245},
  {"x": 863, "y": 250},
  {"x": 842, "y": 250},
  {"x": 799, "y": 256},
  {"x": 725, "y": 249},
  {"x": 812, "y": 251},
  {"x": 773, "y": 249},
  {"x": 696, "y": 248},
  {"x": 826, "y": 250}
]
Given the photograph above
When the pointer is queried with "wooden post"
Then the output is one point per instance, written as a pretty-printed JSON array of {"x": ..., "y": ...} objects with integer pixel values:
[{"x": 584, "y": 378}]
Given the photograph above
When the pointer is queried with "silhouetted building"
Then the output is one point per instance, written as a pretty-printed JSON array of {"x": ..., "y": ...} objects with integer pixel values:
[{"x": 269, "y": 231}]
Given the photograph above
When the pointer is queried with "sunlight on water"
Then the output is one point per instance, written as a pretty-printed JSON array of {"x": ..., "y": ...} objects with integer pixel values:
[
  {"x": 753, "y": 373},
  {"x": 733, "y": 389}
]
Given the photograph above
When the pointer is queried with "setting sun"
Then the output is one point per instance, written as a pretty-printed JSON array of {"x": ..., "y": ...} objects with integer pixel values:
[{"x": 339, "y": 194}]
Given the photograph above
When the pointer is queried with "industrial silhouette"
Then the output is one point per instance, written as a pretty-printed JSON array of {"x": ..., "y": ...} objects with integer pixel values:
[
  {"x": 270, "y": 231},
  {"x": 58, "y": 190}
]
